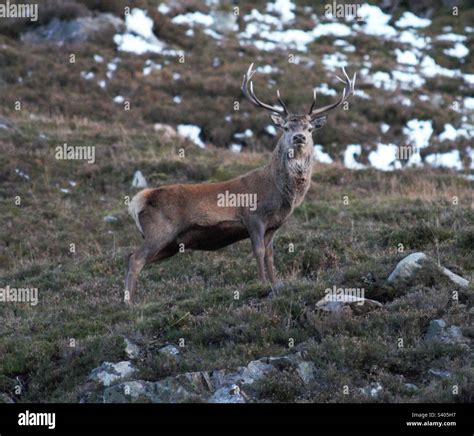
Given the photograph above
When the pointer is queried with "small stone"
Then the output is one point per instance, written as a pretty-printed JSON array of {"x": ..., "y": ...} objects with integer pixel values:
[
  {"x": 110, "y": 219},
  {"x": 169, "y": 350},
  {"x": 441, "y": 373},
  {"x": 131, "y": 349},
  {"x": 139, "y": 180}
]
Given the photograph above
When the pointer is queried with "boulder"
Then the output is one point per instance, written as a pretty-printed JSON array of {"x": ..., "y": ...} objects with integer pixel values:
[
  {"x": 438, "y": 331},
  {"x": 107, "y": 373},
  {"x": 408, "y": 268}
]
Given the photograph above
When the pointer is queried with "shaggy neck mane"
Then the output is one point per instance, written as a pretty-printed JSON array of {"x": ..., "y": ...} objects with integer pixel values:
[{"x": 292, "y": 176}]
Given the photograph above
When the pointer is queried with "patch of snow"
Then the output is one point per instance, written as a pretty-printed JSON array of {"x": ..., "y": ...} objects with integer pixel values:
[
  {"x": 376, "y": 21},
  {"x": 408, "y": 80},
  {"x": 284, "y": 8},
  {"x": 384, "y": 128},
  {"x": 469, "y": 103},
  {"x": 332, "y": 29},
  {"x": 458, "y": 51},
  {"x": 267, "y": 69},
  {"x": 192, "y": 18},
  {"x": 450, "y": 133},
  {"x": 325, "y": 90},
  {"x": 350, "y": 153},
  {"x": 150, "y": 66},
  {"x": 139, "y": 37},
  {"x": 385, "y": 157},
  {"x": 98, "y": 58},
  {"x": 236, "y": 148},
  {"x": 414, "y": 39},
  {"x": 271, "y": 130},
  {"x": 164, "y": 9},
  {"x": 334, "y": 61},
  {"x": 88, "y": 75},
  {"x": 409, "y": 19},
  {"x": 247, "y": 134},
  {"x": 119, "y": 99},
  {"x": 406, "y": 57},
  {"x": 192, "y": 133},
  {"x": 102, "y": 84},
  {"x": 320, "y": 155},
  {"x": 177, "y": 99},
  {"x": 451, "y": 159},
  {"x": 418, "y": 132},
  {"x": 451, "y": 37}
]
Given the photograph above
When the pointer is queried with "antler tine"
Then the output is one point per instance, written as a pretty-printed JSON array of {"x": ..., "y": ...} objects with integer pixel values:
[
  {"x": 247, "y": 90},
  {"x": 283, "y": 105},
  {"x": 314, "y": 102},
  {"x": 346, "y": 93}
]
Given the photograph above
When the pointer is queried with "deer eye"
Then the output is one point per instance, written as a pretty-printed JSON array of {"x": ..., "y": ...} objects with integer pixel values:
[
  {"x": 310, "y": 128},
  {"x": 287, "y": 129}
]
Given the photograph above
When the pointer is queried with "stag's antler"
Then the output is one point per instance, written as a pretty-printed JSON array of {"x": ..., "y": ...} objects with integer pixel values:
[
  {"x": 249, "y": 93},
  {"x": 346, "y": 93}
]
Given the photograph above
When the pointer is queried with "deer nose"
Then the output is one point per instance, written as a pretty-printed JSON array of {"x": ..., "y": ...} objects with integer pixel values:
[{"x": 298, "y": 138}]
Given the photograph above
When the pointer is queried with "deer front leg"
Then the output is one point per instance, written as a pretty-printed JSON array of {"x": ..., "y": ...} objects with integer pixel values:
[
  {"x": 257, "y": 232},
  {"x": 269, "y": 257}
]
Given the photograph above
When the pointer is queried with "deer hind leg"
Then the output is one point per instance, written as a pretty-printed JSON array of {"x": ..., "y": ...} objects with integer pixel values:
[
  {"x": 146, "y": 254},
  {"x": 257, "y": 231}
]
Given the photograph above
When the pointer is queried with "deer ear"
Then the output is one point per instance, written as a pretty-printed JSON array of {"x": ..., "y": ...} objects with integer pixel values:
[
  {"x": 278, "y": 120},
  {"x": 319, "y": 122}
]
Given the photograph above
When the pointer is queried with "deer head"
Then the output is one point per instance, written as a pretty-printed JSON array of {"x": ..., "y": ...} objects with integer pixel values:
[{"x": 297, "y": 129}]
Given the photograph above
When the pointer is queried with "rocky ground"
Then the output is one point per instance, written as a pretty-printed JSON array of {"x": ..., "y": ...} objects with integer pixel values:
[{"x": 203, "y": 328}]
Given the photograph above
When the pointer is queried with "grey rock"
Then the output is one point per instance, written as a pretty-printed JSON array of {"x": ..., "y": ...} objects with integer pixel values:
[
  {"x": 169, "y": 350},
  {"x": 139, "y": 180},
  {"x": 5, "y": 399},
  {"x": 307, "y": 371},
  {"x": 408, "y": 267},
  {"x": 227, "y": 394},
  {"x": 411, "y": 387},
  {"x": 435, "y": 327},
  {"x": 107, "y": 373},
  {"x": 72, "y": 31},
  {"x": 440, "y": 373},
  {"x": 373, "y": 390},
  {"x": 131, "y": 349},
  {"x": 438, "y": 332}
]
